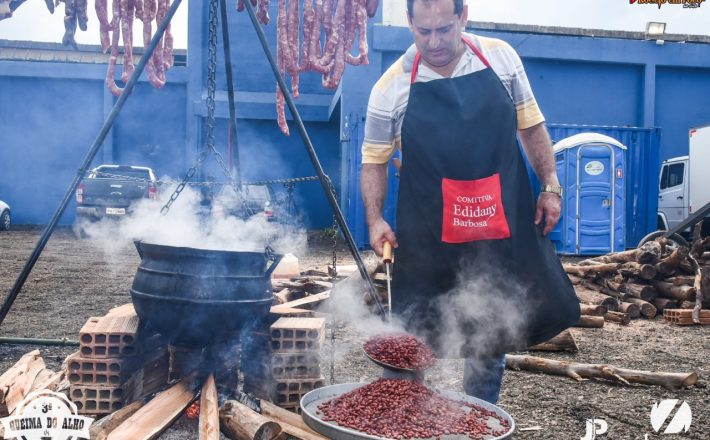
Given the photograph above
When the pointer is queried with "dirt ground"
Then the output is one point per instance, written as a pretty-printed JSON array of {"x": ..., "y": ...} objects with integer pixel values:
[{"x": 74, "y": 280}]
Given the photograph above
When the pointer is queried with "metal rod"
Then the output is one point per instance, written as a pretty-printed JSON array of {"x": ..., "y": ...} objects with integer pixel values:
[
  {"x": 233, "y": 141},
  {"x": 108, "y": 123},
  {"x": 39, "y": 341},
  {"x": 324, "y": 179}
]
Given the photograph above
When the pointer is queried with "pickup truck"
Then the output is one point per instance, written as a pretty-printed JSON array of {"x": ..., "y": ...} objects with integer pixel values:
[{"x": 109, "y": 191}]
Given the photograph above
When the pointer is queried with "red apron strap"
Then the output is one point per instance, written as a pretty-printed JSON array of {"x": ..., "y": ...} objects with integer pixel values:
[
  {"x": 418, "y": 58},
  {"x": 415, "y": 67}
]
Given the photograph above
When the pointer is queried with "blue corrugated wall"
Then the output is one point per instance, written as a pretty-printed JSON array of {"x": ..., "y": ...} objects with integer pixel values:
[{"x": 50, "y": 112}]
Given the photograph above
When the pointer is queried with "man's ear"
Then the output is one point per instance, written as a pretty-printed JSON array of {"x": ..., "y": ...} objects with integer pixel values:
[{"x": 464, "y": 15}]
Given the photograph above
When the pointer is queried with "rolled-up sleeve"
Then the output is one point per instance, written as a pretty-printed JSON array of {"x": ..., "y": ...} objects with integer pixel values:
[{"x": 379, "y": 143}]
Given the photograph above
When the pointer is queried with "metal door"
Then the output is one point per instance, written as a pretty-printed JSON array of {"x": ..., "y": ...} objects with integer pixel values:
[
  {"x": 595, "y": 199},
  {"x": 672, "y": 195}
]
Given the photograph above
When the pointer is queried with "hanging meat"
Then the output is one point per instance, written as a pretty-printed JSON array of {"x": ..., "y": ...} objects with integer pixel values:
[
  {"x": 124, "y": 12},
  {"x": 329, "y": 30}
]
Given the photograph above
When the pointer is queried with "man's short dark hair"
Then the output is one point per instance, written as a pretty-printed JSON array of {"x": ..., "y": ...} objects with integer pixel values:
[{"x": 458, "y": 7}]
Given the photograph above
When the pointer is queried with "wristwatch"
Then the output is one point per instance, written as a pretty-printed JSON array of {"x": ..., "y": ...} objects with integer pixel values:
[{"x": 555, "y": 189}]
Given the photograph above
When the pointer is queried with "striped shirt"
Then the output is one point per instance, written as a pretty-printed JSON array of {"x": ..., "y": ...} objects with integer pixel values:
[{"x": 390, "y": 95}]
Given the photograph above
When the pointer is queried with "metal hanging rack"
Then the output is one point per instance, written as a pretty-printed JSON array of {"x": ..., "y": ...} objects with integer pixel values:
[{"x": 324, "y": 179}]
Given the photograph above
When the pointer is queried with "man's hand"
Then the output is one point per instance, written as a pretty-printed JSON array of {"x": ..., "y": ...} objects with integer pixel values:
[
  {"x": 380, "y": 231},
  {"x": 549, "y": 205}
]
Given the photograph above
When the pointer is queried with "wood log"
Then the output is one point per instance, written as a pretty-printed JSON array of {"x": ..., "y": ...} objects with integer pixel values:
[
  {"x": 618, "y": 317},
  {"x": 158, "y": 414},
  {"x": 580, "y": 372},
  {"x": 631, "y": 309},
  {"x": 17, "y": 381},
  {"x": 574, "y": 279},
  {"x": 101, "y": 428},
  {"x": 641, "y": 291},
  {"x": 586, "y": 271},
  {"x": 589, "y": 296},
  {"x": 613, "y": 286},
  {"x": 562, "y": 342},
  {"x": 239, "y": 422},
  {"x": 616, "y": 257},
  {"x": 644, "y": 271},
  {"x": 664, "y": 303},
  {"x": 209, "y": 410},
  {"x": 697, "y": 249},
  {"x": 670, "y": 263},
  {"x": 291, "y": 423},
  {"x": 646, "y": 308},
  {"x": 283, "y": 295},
  {"x": 649, "y": 253},
  {"x": 593, "y": 310},
  {"x": 617, "y": 296},
  {"x": 590, "y": 321},
  {"x": 682, "y": 280},
  {"x": 680, "y": 293}
]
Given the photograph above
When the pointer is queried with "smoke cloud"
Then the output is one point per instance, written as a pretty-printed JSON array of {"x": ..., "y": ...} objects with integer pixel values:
[{"x": 190, "y": 223}]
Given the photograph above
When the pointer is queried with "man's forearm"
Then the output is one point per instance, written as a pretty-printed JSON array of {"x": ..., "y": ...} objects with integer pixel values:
[
  {"x": 538, "y": 149},
  {"x": 373, "y": 185}
]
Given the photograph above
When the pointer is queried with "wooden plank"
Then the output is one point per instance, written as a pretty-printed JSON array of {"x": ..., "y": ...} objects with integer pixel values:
[
  {"x": 17, "y": 381},
  {"x": 158, "y": 414},
  {"x": 306, "y": 302},
  {"x": 209, "y": 411}
]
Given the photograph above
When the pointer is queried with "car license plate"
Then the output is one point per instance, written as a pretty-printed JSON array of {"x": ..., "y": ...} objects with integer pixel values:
[{"x": 115, "y": 211}]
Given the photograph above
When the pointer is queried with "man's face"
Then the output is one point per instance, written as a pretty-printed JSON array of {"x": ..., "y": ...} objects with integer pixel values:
[{"x": 437, "y": 30}]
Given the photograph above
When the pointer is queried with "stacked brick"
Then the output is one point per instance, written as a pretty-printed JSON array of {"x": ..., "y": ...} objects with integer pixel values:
[
  {"x": 295, "y": 359},
  {"x": 115, "y": 364}
]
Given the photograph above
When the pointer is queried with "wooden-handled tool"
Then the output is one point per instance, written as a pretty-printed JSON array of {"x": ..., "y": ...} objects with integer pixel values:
[{"x": 388, "y": 259}]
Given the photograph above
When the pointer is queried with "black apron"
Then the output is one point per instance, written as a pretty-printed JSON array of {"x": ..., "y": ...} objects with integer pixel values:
[{"x": 472, "y": 268}]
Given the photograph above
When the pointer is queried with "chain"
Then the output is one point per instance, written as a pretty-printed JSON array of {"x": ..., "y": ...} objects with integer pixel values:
[
  {"x": 213, "y": 183},
  {"x": 211, "y": 86},
  {"x": 209, "y": 146},
  {"x": 332, "y": 324}
]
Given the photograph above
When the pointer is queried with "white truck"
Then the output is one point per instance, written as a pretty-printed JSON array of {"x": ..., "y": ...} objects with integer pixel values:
[{"x": 684, "y": 186}]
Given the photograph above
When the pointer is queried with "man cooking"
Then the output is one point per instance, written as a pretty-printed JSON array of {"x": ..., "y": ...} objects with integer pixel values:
[{"x": 453, "y": 104}]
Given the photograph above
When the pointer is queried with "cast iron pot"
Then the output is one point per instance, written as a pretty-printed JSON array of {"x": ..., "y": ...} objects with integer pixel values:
[{"x": 200, "y": 297}]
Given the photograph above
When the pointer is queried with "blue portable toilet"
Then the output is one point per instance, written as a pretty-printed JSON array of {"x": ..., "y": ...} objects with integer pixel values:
[{"x": 591, "y": 169}]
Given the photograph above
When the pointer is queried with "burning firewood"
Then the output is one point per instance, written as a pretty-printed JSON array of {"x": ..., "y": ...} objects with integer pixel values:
[
  {"x": 580, "y": 372},
  {"x": 209, "y": 410},
  {"x": 158, "y": 414}
]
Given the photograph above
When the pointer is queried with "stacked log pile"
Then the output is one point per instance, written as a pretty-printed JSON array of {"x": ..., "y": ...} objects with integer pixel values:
[{"x": 658, "y": 277}]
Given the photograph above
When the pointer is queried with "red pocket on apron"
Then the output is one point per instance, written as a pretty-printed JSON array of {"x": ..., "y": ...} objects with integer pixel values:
[{"x": 473, "y": 210}]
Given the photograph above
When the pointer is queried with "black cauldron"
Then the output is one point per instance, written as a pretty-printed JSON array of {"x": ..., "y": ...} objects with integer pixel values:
[{"x": 200, "y": 297}]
